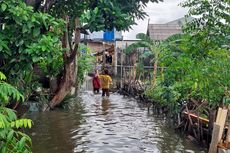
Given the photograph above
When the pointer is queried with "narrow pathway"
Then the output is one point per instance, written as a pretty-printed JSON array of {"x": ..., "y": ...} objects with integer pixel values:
[{"x": 115, "y": 125}]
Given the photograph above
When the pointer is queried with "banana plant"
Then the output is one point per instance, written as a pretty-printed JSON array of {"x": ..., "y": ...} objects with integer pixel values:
[{"x": 153, "y": 47}]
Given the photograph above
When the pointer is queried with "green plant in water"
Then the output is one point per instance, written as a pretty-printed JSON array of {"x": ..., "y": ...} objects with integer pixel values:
[{"x": 12, "y": 140}]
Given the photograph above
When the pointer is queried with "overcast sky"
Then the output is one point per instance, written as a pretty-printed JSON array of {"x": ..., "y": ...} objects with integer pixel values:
[{"x": 162, "y": 12}]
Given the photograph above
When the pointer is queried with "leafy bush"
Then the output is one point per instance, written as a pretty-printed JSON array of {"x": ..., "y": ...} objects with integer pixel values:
[
  {"x": 12, "y": 140},
  {"x": 28, "y": 38}
]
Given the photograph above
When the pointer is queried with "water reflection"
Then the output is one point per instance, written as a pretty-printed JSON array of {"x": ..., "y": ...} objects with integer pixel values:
[
  {"x": 105, "y": 105},
  {"x": 100, "y": 125}
]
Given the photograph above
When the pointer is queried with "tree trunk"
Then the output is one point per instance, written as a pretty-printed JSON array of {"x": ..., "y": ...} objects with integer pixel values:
[
  {"x": 53, "y": 85},
  {"x": 155, "y": 73},
  {"x": 47, "y": 5},
  {"x": 67, "y": 82},
  {"x": 69, "y": 75},
  {"x": 77, "y": 40}
]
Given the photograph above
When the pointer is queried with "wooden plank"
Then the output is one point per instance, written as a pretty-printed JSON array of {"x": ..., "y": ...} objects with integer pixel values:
[
  {"x": 214, "y": 142},
  {"x": 222, "y": 122},
  {"x": 193, "y": 116},
  {"x": 218, "y": 115}
]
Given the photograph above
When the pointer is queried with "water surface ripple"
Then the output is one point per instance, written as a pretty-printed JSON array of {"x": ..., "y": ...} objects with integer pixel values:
[{"x": 116, "y": 125}]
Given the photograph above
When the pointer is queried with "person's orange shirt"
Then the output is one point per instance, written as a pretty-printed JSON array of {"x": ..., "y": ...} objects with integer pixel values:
[{"x": 106, "y": 80}]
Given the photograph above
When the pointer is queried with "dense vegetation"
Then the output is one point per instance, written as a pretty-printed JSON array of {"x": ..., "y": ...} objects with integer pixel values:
[
  {"x": 23, "y": 44},
  {"x": 196, "y": 63},
  {"x": 36, "y": 41}
]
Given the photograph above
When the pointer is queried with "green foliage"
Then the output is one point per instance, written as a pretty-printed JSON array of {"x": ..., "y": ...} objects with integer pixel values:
[
  {"x": 211, "y": 19},
  {"x": 165, "y": 96},
  {"x": 85, "y": 62},
  {"x": 11, "y": 140},
  {"x": 145, "y": 42},
  {"x": 197, "y": 62},
  {"x": 191, "y": 75},
  {"x": 27, "y": 38},
  {"x": 107, "y": 16},
  {"x": 101, "y": 14}
]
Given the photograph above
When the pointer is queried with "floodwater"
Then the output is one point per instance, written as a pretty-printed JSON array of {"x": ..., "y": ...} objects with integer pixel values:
[{"x": 115, "y": 125}]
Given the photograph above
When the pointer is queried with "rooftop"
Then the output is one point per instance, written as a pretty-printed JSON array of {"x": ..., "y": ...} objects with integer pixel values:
[{"x": 163, "y": 31}]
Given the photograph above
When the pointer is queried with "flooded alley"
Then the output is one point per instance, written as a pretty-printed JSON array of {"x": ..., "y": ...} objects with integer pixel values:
[{"x": 115, "y": 125}]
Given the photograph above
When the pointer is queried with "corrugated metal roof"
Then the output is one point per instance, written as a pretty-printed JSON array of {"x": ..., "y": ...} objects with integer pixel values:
[{"x": 163, "y": 31}]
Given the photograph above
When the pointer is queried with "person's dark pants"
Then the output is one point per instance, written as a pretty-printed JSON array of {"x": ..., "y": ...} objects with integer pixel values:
[
  {"x": 105, "y": 92},
  {"x": 96, "y": 90}
]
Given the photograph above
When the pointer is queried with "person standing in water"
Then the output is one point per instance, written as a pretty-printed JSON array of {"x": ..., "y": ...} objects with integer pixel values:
[
  {"x": 106, "y": 80},
  {"x": 96, "y": 83}
]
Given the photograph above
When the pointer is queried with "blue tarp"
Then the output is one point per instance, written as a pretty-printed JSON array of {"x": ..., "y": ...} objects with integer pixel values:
[{"x": 108, "y": 35}]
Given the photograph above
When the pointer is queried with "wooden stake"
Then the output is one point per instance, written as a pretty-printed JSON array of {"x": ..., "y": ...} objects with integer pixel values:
[
  {"x": 191, "y": 123},
  {"x": 228, "y": 135},
  {"x": 214, "y": 142}
]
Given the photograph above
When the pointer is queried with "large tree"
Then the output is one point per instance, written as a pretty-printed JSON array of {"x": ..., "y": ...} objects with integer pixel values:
[{"x": 93, "y": 15}]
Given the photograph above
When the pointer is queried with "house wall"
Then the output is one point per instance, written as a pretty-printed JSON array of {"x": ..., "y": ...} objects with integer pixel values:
[{"x": 96, "y": 47}]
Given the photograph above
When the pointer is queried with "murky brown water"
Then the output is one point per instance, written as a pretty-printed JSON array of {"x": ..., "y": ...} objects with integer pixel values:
[{"x": 116, "y": 125}]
